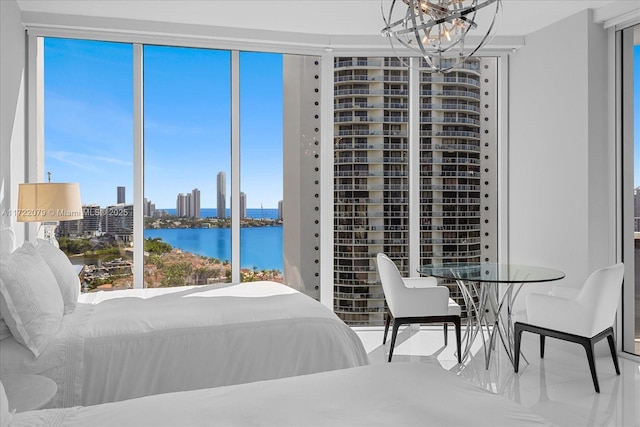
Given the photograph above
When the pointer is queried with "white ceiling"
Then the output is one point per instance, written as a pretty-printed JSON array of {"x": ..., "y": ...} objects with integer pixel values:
[{"x": 311, "y": 17}]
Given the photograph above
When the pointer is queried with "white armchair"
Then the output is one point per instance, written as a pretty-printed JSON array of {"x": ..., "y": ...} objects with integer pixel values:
[
  {"x": 415, "y": 300},
  {"x": 584, "y": 317}
]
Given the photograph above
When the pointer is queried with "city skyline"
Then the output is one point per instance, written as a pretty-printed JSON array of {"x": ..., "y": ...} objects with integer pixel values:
[
  {"x": 89, "y": 116},
  {"x": 187, "y": 204}
]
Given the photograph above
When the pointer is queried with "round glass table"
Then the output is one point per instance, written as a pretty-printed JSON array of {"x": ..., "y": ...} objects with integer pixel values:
[{"x": 489, "y": 307}]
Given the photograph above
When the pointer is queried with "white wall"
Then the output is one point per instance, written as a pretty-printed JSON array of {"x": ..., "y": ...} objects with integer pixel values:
[
  {"x": 561, "y": 175},
  {"x": 12, "y": 110}
]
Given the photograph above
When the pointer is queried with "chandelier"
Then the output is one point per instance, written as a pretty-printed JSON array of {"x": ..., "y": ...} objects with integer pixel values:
[{"x": 436, "y": 29}]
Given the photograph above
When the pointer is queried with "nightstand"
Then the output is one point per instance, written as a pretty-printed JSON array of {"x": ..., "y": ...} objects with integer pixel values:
[{"x": 27, "y": 391}]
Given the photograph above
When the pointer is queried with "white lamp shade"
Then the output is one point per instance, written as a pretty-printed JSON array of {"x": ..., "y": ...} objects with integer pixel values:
[{"x": 49, "y": 202}]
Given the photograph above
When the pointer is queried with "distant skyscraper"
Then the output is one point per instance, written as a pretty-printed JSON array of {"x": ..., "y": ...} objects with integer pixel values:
[
  {"x": 121, "y": 198},
  {"x": 187, "y": 205},
  {"x": 148, "y": 208},
  {"x": 222, "y": 195},
  {"x": 280, "y": 210},
  {"x": 181, "y": 205},
  {"x": 243, "y": 205},
  {"x": 195, "y": 203}
]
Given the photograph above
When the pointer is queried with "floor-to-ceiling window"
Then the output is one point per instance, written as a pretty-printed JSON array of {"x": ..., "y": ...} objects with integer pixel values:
[
  {"x": 187, "y": 158},
  {"x": 190, "y": 107},
  {"x": 453, "y": 210},
  {"x": 261, "y": 109},
  {"x": 188, "y": 167},
  {"x": 88, "y": 139}
]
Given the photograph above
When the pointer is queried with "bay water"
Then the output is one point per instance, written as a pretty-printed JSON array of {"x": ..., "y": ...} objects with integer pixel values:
[{"x": 260, "y": 247}]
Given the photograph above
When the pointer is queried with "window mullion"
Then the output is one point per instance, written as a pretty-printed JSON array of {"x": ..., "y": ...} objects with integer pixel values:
[
  {"x": 414, "y": 165},
  {"x": 235, "y": 166},
  {"x": 138, "y": 167}
]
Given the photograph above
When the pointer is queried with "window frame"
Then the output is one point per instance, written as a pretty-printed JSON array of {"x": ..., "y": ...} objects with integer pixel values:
[{"x": 35, "y": 130}]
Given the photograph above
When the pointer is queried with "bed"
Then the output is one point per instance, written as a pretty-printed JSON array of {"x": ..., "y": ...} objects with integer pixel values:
[
  {"x": 398, "y": 394},
  {"x": 120, "y": 345}
]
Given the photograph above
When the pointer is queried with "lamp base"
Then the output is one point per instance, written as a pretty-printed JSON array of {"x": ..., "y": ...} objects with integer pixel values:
[{"x": 50, "y": 232}]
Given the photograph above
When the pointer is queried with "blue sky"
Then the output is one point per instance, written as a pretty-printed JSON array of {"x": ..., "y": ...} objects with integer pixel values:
[{"x": 89, "y": 124}]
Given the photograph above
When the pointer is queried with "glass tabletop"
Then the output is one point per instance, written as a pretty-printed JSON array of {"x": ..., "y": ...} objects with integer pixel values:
[{"x": 491, "y": 272}]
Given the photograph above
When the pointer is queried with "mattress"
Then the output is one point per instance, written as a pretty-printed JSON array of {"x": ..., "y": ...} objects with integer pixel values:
[
  {"x": 124, "y": 344},
  {"x": 395, "y": 394}
]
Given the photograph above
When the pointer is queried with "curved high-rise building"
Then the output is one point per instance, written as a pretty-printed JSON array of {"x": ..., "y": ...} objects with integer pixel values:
[{"x": 378, "y": 102}]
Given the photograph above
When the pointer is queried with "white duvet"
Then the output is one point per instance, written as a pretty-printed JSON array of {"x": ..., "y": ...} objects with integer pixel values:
[
  {"x": 124, "y": 344},
  {"x": 394, "y": 394}
]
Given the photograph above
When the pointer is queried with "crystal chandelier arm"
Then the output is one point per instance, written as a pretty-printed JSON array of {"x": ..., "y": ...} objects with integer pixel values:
[
  {"x": 434, "y": 28},
  {"x": 462, "y": 15},
  {"x": 488, "y": 33},
  {"x": 424, "y": 6}
]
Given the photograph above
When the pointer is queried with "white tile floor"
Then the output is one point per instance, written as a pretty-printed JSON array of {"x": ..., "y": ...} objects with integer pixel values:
[{"x": 558, "y": 387}]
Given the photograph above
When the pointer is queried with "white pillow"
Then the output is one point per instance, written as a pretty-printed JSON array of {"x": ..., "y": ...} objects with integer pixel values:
[
  {"x": 30, "y": 299},
  {"x": 64, "y": 272},
  {"x": 5, "y": 415}
]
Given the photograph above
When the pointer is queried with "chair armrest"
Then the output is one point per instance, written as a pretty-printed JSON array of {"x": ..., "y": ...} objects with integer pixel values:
[
  {"x": 557, "y": 313},
  {"x": 420, "y": 282},
  {"x": 420, "y": 302}
]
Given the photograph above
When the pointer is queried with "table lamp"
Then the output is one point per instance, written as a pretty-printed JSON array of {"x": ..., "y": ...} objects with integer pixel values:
[{"x": 49, "y": 203}]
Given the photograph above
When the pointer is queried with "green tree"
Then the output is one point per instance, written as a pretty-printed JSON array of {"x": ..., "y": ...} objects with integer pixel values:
[
  {"x": 74, "y": 246},
  {"x": 155, "y": 245},
  {"x": 176, "y": 274},
  {"x": 156, "y": 259}
]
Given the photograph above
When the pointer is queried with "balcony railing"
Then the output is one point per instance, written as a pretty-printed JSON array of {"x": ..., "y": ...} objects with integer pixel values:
[
  {"x": 450, "y": 147},
  {"x": 359, "y": 63},
  {"x": 464, "y": 107},
  {"x": 451, "y": 93},
  {"x": 430, "y": 78}
]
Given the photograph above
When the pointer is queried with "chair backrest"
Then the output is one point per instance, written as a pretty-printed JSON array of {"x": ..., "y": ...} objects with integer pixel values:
[
  {"x": 391, "y": 280},
  {"x": 600, "y": 295}
]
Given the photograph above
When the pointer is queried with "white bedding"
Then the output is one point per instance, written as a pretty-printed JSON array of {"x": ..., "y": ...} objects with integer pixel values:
[
  {"x": 123, "y": 344},
  {"x": 395, "y": 394}
]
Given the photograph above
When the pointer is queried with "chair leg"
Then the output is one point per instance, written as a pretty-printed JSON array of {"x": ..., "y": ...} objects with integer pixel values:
[
  {"x": 614, "y": 354},
  {"x": 386, "y": 327},
  {"x": 458, "y": 343},
  {"x": 587, "y": 343},
  {"x": 446, "y": 335},
  {"x": 588, "y": 346},
  {"x": 517, "y": 337},
  {"x": 394, "y": 334}
]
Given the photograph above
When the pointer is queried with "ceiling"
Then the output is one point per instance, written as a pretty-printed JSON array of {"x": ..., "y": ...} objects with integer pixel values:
[{"x": 353, "y": 18}]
